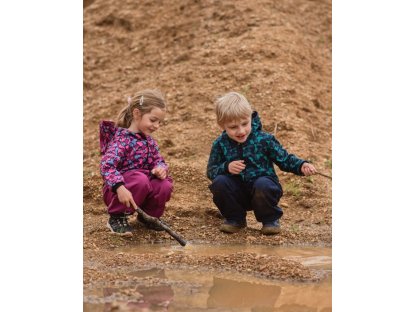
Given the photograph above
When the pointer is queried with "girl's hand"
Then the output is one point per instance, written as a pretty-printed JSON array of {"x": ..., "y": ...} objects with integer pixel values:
[
  {"x": 308, "y": 169},
  {"x": 236, "y": 166},
  {"x": 159, "y": 172},
  {"x": 124, "y": 196}
]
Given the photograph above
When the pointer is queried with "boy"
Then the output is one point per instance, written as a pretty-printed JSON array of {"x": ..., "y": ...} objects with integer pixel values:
[{"x": 241, "y": 169}]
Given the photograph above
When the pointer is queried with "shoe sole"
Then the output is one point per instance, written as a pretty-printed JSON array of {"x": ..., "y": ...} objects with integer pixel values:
[
  {"x": 125, "y": 234},
  {"x": 270, "y": 231},
  {"x": 230, "y": 229}
]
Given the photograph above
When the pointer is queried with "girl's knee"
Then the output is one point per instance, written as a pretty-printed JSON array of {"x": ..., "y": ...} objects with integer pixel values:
[
  {"x": 137, "y": 182},
  {"x": 167, "y": 186},
  {"x": 135, "y": 176},
  {"x": 162, "y": 186}
]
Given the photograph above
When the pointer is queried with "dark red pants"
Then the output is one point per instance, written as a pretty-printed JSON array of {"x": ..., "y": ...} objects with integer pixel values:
[{"x": 149, "y": 193}]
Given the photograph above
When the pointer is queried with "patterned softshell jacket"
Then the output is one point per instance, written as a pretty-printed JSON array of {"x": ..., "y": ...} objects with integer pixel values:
[
  {"x": 259, "y": 152},
  {"x": 124, "y": 150}
]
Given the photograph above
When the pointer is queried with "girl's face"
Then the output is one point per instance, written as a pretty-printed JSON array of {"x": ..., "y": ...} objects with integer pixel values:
[
  {"x": 149, "y": 122},
  {"x": 238, "y": 130}
]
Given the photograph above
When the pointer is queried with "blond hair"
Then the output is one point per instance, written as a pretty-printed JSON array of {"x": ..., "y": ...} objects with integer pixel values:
[
  {"x": 144, "y": 101},
  {"x": 232, "y": 106}
]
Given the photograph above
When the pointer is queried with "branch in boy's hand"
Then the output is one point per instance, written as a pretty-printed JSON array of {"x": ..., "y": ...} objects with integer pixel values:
[
  {"x": 324, "y": 175},
  {"x": 308, "y": 169}
]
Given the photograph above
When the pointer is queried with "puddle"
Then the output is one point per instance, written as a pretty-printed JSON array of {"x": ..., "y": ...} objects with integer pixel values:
[
  {"x": 197, "y": 290},
  {"x": 314, "y": 257}
]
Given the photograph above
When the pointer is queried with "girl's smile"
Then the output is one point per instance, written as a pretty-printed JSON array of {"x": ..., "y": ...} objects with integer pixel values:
[{"x": 147, "y": 123}]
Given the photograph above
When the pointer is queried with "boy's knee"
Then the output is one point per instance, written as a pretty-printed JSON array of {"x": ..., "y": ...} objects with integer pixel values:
[
  {"x": 219, "y": 182},
  {"x": 265, "y": 185}
]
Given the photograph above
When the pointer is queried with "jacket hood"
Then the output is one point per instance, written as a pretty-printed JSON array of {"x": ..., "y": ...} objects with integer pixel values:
[
  {"x": 255, "y": 122},
  {"x": 107, "y": 131}
]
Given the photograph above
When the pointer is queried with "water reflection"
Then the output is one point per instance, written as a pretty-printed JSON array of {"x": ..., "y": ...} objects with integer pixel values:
[
  {"x": 234, "y": 294},
  {"x": 131, "y": 298},
  {"x": 153, "y": 298},
  {"x": 199, "y": 291},
  {"x": 194, "y": 290},
  {"x": 284, "y": 297}
]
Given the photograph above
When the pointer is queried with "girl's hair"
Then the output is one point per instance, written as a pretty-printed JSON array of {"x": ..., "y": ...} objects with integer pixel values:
[
  {"x": 144, "y": 101},
  {"x": 232, "y": 106}
]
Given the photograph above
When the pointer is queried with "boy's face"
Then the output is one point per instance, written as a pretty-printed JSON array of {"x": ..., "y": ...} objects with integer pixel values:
[{"x": 238, "y": 130}]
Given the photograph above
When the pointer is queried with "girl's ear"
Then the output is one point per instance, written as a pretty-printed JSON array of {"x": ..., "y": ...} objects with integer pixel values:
[{"x": 136, "y": 113}]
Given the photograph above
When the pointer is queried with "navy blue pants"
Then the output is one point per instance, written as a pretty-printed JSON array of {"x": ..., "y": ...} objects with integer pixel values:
[{"x": 234, "y": 198}]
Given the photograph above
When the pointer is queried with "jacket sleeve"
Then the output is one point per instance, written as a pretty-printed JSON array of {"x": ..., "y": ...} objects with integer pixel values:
[
  {"x": 158, "y": 160},
  {"x": 217, "y": 164},
  {"x": 110, "y": 163},
  {"x": 285, "y": 161}
]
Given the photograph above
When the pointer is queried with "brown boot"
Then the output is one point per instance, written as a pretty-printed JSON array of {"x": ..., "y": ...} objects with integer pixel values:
[
  {"x": 232, "y": 227},
  {"x": 270, "y": 228}
]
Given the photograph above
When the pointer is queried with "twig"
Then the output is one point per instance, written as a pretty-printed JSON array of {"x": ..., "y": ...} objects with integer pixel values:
[
  {"x": 324, "y": 175},
  {"x": 154, "y": 220}
]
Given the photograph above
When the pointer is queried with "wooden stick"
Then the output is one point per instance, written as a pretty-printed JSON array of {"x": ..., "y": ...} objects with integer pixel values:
[
  {"x": 161, "y": 224},
  {"x": 324, "y": 175}
]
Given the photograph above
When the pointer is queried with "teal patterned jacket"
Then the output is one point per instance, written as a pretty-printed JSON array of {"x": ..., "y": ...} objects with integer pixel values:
[{"x": 259, "y": 152}]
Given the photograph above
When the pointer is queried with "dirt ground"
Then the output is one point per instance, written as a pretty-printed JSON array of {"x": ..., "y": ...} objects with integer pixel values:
[{"x": 277, "y": 53}]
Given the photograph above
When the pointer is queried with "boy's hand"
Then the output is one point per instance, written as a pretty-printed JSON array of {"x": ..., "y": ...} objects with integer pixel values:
[
  {"x": 308, "y": 169},
  {"x": 124, "y": 196},
  {"x": 236, "y": 166},
  {"x": 159, "y": 172}
]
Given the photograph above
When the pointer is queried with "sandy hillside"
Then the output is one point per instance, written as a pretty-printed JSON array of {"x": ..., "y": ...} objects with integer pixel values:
[{"x": 277, "y": 53}]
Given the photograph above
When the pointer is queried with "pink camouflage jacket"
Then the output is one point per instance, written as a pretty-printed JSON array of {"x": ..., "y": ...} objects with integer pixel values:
[{"x": 124, "y": 150}]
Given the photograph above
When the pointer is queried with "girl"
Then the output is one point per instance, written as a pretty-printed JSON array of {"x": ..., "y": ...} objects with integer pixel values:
[{"x": 131, "y": 166}]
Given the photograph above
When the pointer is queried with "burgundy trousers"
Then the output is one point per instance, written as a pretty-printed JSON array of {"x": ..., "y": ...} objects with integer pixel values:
[{"x": 149, "y": 193}]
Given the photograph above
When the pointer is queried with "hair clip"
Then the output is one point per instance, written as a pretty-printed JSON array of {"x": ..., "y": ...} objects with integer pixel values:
[
  {"x": 141, "y": 101},
  {"x": 129, "y": 100}
]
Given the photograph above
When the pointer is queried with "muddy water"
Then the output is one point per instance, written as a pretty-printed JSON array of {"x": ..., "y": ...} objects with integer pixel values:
[
  {"x": 316, "y": 257},
  {"x": 179, "y": 290}
]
